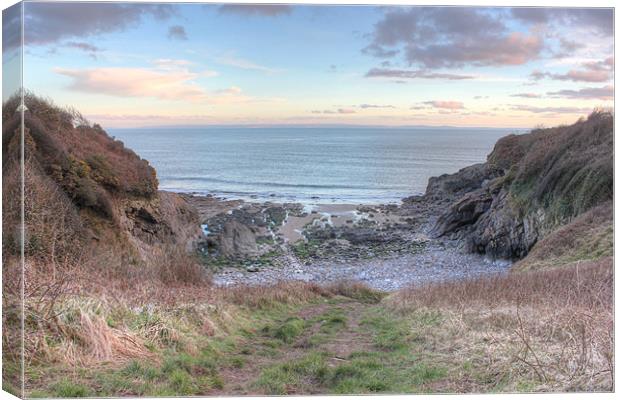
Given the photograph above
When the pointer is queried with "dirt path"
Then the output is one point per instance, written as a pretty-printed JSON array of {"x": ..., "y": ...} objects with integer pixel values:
[
  {"x": 331, "y": 328},
  {"x": 338, "y": 346}
]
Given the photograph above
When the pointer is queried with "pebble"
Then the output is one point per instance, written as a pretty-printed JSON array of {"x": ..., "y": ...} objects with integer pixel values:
[{"x": 433, "y": 264}]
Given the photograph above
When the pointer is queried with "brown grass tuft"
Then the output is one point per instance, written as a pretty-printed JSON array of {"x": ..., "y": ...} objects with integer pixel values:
[
  {"x": 176, "y": 266},
  {"x": 285, "y": 292}
]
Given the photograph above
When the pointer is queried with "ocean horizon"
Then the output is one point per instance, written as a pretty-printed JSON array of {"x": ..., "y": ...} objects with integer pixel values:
[{"x": 309, "y": 165}]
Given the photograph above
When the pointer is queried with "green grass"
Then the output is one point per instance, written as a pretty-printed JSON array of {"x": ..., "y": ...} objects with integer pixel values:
[
  {"x": 66, "y": 388},
  {"x": 287, "y": 331},
  {"x": 395, "y": 364},
  {"x": 388, "y": 333},
  {"x": 332, "y": 321},
  {"x": 311, "y": 369},
  {"x": 305, "y": 250}
]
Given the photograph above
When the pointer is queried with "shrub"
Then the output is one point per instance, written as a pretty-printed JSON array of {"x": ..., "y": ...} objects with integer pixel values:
[{"x": 176, "y": 266}]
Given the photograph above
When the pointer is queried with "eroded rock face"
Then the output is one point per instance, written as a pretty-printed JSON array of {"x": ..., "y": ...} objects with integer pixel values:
[
  {"x": 501, "y": 232},
  {"x": 166, "y": 218},
  {"x": 465, "y": 211},
  {"x": 487, "y": 223},
  {"x": 449, "y": 186},
  {"x": 530, "y": 185},
  {"x": 237, "y": 240}
]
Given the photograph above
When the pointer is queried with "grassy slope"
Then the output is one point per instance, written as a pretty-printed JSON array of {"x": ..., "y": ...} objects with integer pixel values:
[{"x": 530, "y": 331}]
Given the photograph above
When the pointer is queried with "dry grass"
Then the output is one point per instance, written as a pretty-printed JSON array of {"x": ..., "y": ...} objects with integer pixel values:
[
  {"x": 588, "y": 237},
  {"x": 552, "y": 329},
  {"x": 290, "y": 292},
  {"x": 566, "y": 170},
  {"x": 174, "y": 265}
]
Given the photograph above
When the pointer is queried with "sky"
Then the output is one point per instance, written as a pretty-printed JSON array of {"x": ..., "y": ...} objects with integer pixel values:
[{"x": 149, "y": 64}]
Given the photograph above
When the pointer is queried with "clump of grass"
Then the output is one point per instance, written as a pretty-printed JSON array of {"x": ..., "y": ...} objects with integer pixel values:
[
  {"x": 279, "y": 379},
  {"x": 389, "y": 334},
  {"x": 290, "y": 330},
  {"x": 333, "y": 323},
  {"x": 356, "y": 291},
  {"x": 67, "y": 388}
]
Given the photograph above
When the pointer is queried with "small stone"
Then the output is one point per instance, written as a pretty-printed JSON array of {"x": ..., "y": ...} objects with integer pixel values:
[{"x": 252, "y": 268}]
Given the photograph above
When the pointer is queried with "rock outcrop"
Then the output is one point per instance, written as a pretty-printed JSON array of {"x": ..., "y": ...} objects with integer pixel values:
[
  {"x": 530, "y": 185},
  {"x": 84, "y": 188},
  {"x": 237, "y": 240}
]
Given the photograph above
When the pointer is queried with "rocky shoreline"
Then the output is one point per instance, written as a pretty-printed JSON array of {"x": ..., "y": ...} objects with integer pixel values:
[
  {"x": 387, "y": 247},
  {"x": 497, "y": 210}
]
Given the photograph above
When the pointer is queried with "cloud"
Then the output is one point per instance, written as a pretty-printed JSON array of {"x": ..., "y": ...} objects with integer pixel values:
[
  {"x": 552, "y": 110},
  {"x": 269, "y": 10},
  {"x": 242, "y": 63},
  {"x": 375, "y": 106},
  {"x": 599, "y": 20},
  {"x": 169, "y": 63},
  {"x": 160, "y": 83},
  {"x": 83, "y": 46},
  {"x": 567, "y": 48},
  {"x": 601, "y": 93},
  {"x": 526, "y": 95},
  {"x": 417, "y": 74},
  {"x": 595, "y": 71},
  {"x": 11, "y": 27},
  {"x": 573, "y": 75},
  {"x": 435, "y": 37},
  {"x": 337, "y": 111},
  {"x": 91, "y": 49},
  {"x": 446, "y": 105},
  {"x": 136, "y": 82},
  {"x": 177, "y": 32},
  {"x": 50, "y": 22},
  {"x": 233, "y": 90}
]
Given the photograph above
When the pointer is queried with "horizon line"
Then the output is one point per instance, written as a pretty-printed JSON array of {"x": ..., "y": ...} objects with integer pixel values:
[{"x": 326, "y": 125}]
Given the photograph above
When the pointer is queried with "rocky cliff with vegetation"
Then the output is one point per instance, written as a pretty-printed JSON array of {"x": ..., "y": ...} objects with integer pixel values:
[
  {"x": 83, "y": 187},
  {"x": 530, "y": 185}
]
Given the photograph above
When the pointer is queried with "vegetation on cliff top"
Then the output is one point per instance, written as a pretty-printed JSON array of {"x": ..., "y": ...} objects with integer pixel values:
[{"x": 566, "y": 170}]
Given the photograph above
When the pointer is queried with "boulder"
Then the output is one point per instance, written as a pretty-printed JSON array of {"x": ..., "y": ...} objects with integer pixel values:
[{"x": 237, "y": 240}]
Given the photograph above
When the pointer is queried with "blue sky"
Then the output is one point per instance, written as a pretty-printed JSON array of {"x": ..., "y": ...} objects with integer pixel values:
[{"x": 125, "y": 64}]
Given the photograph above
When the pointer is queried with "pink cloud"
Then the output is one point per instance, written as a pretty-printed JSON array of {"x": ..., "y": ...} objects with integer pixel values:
[
  {"x": 597, "y": 71},
  {"x": 447, "y": 105},
  {"x": 136, "y": 82},
  {"x": 337, "y": 111}
]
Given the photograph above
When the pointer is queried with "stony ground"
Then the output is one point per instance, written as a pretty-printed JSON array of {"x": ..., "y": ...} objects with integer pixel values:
[
  {"x": 386, "y": 247},
  {"x": 432, "y": 263}
]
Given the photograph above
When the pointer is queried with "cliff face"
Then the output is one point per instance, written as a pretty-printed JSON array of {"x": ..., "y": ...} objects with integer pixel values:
[
  {"x": 530, "y": 185},
  {"x": 84, "y": 187}
]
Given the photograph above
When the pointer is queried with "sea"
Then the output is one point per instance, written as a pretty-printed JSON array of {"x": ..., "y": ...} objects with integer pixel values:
[{"x": 309, "y": 165}]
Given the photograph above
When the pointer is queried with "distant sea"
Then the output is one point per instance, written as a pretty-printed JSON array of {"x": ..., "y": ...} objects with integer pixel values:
[{"x": 308, "y": 165}]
